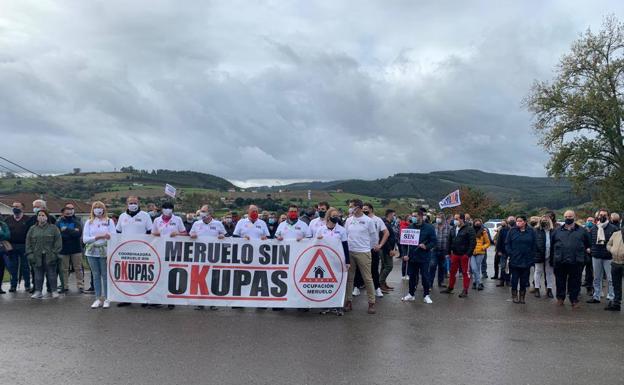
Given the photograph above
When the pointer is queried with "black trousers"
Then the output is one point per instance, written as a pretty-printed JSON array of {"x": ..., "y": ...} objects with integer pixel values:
[
  {"x": 568, "y": 277},
  {"x": 617, "y": 270}
]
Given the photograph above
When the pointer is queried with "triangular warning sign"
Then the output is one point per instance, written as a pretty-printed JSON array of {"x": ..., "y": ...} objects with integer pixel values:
[{"x": 319, "y": 270}]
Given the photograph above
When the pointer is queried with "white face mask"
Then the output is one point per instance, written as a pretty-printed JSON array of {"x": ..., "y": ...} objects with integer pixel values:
[
  {"x": 438, "y": 220},
  {"x": 351, "y": 210},
  {"x": 167, "y": 212},
  {"x": 203, "y": 214},
  {"x": 98, "y": 211},
  {"x": 133, "y": 207},
  {"x": 42, "y": 219}
]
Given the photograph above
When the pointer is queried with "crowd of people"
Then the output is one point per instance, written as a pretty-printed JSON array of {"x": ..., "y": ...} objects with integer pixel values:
[{"x": 41, "y": 251}]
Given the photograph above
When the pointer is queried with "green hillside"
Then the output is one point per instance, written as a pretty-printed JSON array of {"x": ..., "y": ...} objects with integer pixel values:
[{"x": 530, "y": 191}]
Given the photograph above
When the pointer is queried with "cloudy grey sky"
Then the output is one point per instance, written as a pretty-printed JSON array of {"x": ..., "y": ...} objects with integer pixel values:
[{"x": 278, "y": 90}]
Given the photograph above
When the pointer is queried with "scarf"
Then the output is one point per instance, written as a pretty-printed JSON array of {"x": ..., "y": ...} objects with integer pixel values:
[{"x": 601, "y": 233}]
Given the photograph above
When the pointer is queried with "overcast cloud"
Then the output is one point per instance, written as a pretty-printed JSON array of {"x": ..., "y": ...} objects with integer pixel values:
[{"x": 280, "y": 90}]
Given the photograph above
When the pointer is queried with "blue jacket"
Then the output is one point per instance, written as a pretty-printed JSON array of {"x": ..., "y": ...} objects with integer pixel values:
[
  {"x": 71, "y": 233},
  {"x": 520, "y": 247},
  {"x": 428, "y": 238}
]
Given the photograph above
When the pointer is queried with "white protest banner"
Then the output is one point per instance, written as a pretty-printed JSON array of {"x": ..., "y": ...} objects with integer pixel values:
[
  {"x": 451, "y": 200},
  {"x": 170, "y": 190},
  {"x": 410, "y": 237},
  {"x": 226, "y": 272}
]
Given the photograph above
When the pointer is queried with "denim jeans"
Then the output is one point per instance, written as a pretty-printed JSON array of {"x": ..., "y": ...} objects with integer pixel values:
[
  {"x": 98, "y": 268},
  {"x": 600, "y": 267},
  {"x": 484, "y": 264},
  {"x": 438, "y": 262},
  {"x": 19, "y": 266},
  {"x": 617, "y": 270},
  {"x": 475, "y": 267}
]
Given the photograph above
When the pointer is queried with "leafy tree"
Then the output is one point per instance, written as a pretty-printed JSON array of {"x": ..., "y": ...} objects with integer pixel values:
[{"x": 578, "y": 115}]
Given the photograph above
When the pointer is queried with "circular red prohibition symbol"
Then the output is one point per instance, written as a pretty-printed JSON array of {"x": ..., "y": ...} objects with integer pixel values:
[
  {"x": 126, "y": 284},
  {"x": 315, "y": 279}
]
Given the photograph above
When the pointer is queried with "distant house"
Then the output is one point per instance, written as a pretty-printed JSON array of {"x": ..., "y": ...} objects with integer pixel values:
[
  {"x": 54, "y": 204},
  {"x": 231, "y": 190}
]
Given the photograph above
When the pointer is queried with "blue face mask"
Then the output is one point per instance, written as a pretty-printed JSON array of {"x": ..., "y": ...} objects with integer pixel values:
[
  {"x": 414, "y": 220},
  {"x": 589, "y": 225},
  {"x": 271, "y": 221}
]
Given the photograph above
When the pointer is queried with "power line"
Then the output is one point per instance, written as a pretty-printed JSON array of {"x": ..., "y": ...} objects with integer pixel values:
[
  {"x": 11, "y": 171},
  {"x": 23, "y": 168}
]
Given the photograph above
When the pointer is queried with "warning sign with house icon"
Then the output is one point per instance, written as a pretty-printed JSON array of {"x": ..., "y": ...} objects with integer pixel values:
[
  {"x": 319, "y": 269},
  {"x": 320, "y": 273}
]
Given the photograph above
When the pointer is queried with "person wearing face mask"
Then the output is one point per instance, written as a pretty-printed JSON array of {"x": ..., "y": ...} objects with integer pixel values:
[
  {"x": 229, "y": 224},
  {"x": 43, "y": 245},
  {"x": 5, "y": 235},
  {"x": 319, "y": 221},
  {"x": 293, "y": 227},
  {"x": 272, "y": 225},
  {"x": 95, "y": 235},
  {"x": 600, "y": 233},
  {"x": 71, "y": 233},
  {"x": 168, "y": 224},
  {"x": 440, "y": 254},
  {"x": 152, "y": 210},
  {"x": 496, "y": 254},
  {"x": 332, "y": 229},
  {"x": 388, "y": 251},
  {"x": 377, "y": 243},
  {"x": 571, "y": 243},
  {"x": 133, "y": 221},
  {"x": 40, "y": 204},
  {"x": 207, "y": 226},
  {"x": 251, "y": 227},
  {"x": 462, "y": 241},
  {"x": 360, "y": 233},
  {"x": 520, "y": 246},
  {"x": 542, "y": 262},
  {"x": 589, "y": 223},
  {"x": 418, "y": 258},
  {"x": 189, "y": 220},
  {"x": 18, "y": 263},
  {"x": 476, "y": 259},
  {"x": 505, "y": 278}
]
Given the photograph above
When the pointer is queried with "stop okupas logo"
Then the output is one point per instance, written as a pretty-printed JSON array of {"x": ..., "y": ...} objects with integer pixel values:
[
  {"x": 134, "y": 268},
  {"x": 314, "y": 275}
]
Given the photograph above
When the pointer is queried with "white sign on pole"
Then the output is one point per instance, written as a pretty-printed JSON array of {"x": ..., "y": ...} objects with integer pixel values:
[
  {"x": 170, "y": 190},
  {"x": 410, "y": 237}
]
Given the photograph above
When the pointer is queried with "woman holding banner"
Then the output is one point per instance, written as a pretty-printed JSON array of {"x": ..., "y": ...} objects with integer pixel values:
[{"x": 96, "y": 233}]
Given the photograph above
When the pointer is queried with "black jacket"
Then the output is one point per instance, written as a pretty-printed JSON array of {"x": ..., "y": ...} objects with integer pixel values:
[
  {"x": 569, "y": 246},
  {"x": 600, "y": 251},
  {"x": 502, "y": 238},
  {"x": 464, "y": 242},
  {"x": 392, "y": 239},
  {"x": 428, "y": 238},
  {"x": 540, "y": 246},
  {"x": 520, "y": 247}
]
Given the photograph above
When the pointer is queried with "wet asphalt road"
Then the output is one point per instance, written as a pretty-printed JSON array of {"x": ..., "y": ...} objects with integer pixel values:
[{"x": 484, "y": 339}]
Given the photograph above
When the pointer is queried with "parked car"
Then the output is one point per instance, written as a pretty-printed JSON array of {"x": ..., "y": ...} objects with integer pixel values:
[{"x": 493, "y": 225}]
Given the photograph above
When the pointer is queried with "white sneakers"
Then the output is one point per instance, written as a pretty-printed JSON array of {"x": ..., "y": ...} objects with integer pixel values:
[
  {"x": 378, "y": 293},
  {"x": 104, "y": 304},
  {"x": 37, "y": 295},
  {"x": 55, "y": 294},
  {"x": 411, "y": 298},
  {"x": 405, "y": 278},
  {"x": 356, "y": 291},
  {"x": 408, "y": 298}
]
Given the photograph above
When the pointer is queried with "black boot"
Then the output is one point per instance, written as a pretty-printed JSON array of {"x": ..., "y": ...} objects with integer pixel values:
[
  {"x": 514, "y": 296},
  {"x": 522, "y": 296},
  {"x": 549, "y": 293},
  {"x": 537, "y": 293}
]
